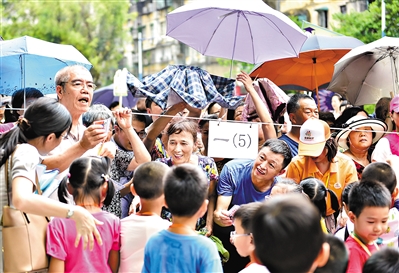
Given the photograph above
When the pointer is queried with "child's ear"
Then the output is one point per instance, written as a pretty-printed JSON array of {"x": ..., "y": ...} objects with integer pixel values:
[
  {"x": 70, "y": 189},
  {"x": 395, "y": 193},
  {"x": 133, "y": 190},
  {"x": 322, "y": 257},
  {"x": 203, "y": 208},
  {"x": 352, "y": 216},
  {"x": 104, "y": 190},
  {"x": 50, "y": 137}
]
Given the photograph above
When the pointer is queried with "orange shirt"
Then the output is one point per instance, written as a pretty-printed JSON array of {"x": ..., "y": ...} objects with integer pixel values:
[{"x": 342, "y": 172}]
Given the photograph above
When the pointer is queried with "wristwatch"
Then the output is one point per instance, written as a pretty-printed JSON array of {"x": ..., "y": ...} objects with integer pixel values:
[{"x": 70, "y": 213}]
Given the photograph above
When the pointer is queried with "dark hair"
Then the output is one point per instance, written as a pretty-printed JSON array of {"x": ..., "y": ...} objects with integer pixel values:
[
  {"x": 278, "y": 146},
  {"x": 17, "y": 101},
  {"x": 147, "y": 179},
  {"x": 97, "y": 112},
  {"x": 332, "y": 149},
  {"x": 139, "y": 116},
  {"x": 183, "y": 125},
  {"x": 327, "y": 117},
  {"x": 86, "y": 176},
  {"x": 148, "y": 102},
  {"x": 339, "y": 256},
  {"x": 382, "y": 108},
  {"x": 205, "y": 120},
  {"x": 347, "y": 114},
  {"x": 381, "y": 172},
  {"x": 317, "y": 192},
  {"x": 42, "y": 118},
  {"x": 385, "y": 260},
  {"x": 186, "y": 188},
  {"x": 245, "y": 213},
  {"x": 293, "y": 103},
  {"x": 368, "y": 194},
  {"x": 114, "y": 104},
  {"x": 211, "y": 105},
  {"x": 290, "y": 184},
  {"x": 287, "y": 233},
  {"x": 346, "y": 191}
]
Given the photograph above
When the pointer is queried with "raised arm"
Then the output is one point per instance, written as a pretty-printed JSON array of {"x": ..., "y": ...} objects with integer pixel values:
[
  {"x": 156, "y": 128},
  {"x": 268, "y": 128},
  {"x": 141, "y": 155}
]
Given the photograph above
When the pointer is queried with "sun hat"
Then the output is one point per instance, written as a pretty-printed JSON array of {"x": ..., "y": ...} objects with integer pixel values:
[
  {"x": 378, "y": 126},
  {"x": 313, "y": 136},
  {"x": 394, "y": 105}
]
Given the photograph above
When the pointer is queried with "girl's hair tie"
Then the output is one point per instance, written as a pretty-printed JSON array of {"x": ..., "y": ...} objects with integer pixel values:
[
  {"x": 106, "y": 177},
  {"x": 69, "y": 175}
]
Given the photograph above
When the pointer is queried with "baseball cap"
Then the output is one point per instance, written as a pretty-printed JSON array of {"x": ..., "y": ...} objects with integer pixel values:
[
  {"x": 394, "y": 105},
  {"x": 313, "y": 136}
]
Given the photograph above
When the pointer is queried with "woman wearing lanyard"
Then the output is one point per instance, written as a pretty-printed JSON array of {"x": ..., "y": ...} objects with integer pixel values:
[{"x": 318, "y": 157}]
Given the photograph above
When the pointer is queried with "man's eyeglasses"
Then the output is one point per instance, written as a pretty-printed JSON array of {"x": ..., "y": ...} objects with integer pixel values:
[
  {"x": 141, "y": 134},
  {"x": 233, "y": 235},
  {"x": 79, "y": 85}
]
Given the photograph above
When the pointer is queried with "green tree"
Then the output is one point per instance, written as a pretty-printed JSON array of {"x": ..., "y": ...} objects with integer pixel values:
[
  {"x": 366, "y": 25},
  {"x": 97, "y": 28}
]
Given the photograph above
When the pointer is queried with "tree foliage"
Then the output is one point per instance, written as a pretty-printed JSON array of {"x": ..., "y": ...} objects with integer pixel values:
[
  {"x": 97, "y": 28},
  {"x": 366, "y": 25}
]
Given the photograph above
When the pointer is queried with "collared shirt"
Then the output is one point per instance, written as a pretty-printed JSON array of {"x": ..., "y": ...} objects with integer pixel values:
[{"x": 342, "y": 172}]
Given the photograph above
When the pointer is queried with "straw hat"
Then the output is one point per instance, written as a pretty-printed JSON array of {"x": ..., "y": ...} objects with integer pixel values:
[{"x": 378, "y": 126}]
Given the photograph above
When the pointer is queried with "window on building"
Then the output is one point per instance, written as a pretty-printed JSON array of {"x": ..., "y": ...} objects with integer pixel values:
[
  {"x": 343, "y": 9},
  {"x": 323, "y": 17}
]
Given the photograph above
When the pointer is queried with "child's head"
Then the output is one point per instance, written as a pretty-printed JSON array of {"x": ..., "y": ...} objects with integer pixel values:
[
  {"x": 339, "y": 256},
  {"x": 383, "y": 261},
  {"x": 186, "y": 189},
  {"x": 242, "y": 236},
  {"x": 381, "y": 172},
  {"x": 88, "y": 178},
  {"x": 288, "y": 235},
  {"x": 345, "y": 196},
  {"x": 147, "y": 180},
  {"x": 285, "y": 185},
  {"x": 369, "y": 204},
  {"x": 317, "y": 192}
]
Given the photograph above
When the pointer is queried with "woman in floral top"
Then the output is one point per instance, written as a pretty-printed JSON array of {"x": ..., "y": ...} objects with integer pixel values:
[{"x": 182, "y": 136}]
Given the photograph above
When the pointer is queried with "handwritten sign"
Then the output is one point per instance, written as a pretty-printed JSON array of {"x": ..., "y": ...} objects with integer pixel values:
[{"x": 232, "y": 140}]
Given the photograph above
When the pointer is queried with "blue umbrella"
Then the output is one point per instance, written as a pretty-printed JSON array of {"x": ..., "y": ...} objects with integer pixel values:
[
  {"x": 105, "y": 95},
  {"x": 30, "y": 62}
]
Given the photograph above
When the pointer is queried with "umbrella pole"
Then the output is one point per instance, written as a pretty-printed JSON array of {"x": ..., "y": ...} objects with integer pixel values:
[
  {"x": 231, "y": 67},
  {"x": 317, "y": 86}
]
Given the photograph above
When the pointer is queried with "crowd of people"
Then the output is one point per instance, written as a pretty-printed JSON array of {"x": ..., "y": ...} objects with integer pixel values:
[{"x": 137, "y": 185}]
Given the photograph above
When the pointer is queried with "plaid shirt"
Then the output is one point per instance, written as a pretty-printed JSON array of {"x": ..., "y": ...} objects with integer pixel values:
[{"x": 195, "y": 86}]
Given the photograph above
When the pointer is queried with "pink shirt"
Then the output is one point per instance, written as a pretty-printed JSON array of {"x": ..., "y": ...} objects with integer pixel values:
[
  {"x": 61, "y": 234},
  {"x": 357, "y": 255}
]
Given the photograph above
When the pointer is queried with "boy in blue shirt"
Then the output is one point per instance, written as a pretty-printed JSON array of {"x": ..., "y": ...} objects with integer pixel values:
[{"x": 180, "y": 248}]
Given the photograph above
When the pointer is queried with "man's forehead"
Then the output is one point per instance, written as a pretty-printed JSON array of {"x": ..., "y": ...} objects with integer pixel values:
[
  {"x": 271, "y": 155},
  {"x": 307, "y": 103},
  {"x": 81, "y": 74}
]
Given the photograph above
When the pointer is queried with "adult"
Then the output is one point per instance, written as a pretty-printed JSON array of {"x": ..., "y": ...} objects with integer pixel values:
[
  {"x": 182, "y": 136},
  {"x": 74, "y": 88},
  {"x": 130, "y": 153},
  {"x": 318, "y": 157},
  {"x": 382, "y": 112},
  {"x": 348, "y": 113},
  {"x": 246, "y": 181},
  {"x": 300, "y": 108},
  {"x": 153, "y": 109},
  {"x": 357, "y": 137},
  {"x": 336, "y": 101},
  {"x": 388, "y": 145},
  {"x": 20, "y": 100},
  {"x": 41, "y": 129}
]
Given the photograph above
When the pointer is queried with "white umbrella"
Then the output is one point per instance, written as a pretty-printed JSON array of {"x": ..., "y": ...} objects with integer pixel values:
[{"x": 368, "y": 72}]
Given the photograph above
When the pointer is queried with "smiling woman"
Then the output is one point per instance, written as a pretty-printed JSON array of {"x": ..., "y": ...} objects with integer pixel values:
[{"x": 182, "y": 136}]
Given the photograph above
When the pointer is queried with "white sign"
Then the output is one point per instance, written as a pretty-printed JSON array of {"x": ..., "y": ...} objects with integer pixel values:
[{"x": 232, "y": 140}]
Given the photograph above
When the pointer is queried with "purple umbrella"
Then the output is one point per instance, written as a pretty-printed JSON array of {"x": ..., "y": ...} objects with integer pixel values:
[
  {"x": 248, "y": 31},
  {"x": 105, "y": 95}
]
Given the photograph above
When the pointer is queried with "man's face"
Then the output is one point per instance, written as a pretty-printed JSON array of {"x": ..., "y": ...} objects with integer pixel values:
[
  {"x": 154, "y": 109},
  {"x": 307, "y": 109},
  {"x": 267, "y": 165},
  {"x": 76, "y": 94}
]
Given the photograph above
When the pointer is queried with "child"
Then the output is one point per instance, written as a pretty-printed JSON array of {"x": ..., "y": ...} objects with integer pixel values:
[
  {"x": 136, "y": 229},
  {"x": 369, "y": 204},
  {"x": 180, "y": 248},
  {"x": 382, "y": 172},
  {"x": 90, "y": 187},
  {"x": 288, "y": 235},
  {"x": 338, "y": 260},
  {"x": 242, "y": 237},
  {"x": 285, "y": 185},
  {"x": 345, "y": 226},
  {"x": 383, "y": 261},
  {"x": 318, "y": 194}
]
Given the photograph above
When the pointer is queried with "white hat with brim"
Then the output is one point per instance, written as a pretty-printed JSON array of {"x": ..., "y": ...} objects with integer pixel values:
[
  {"x": 378, "y": 127},
  {"x": 313, "y": 136}
]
